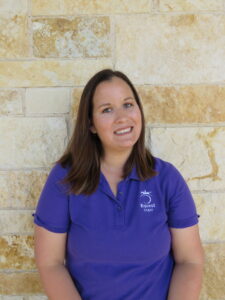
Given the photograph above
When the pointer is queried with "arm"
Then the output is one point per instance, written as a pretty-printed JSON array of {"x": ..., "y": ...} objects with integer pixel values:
[
  {"x": 188, "y": 255},
  {"x": 49, "y": 255}
]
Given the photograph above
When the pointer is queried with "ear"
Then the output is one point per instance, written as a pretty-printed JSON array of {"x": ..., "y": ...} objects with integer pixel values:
[{"x": 92, "y": 129}]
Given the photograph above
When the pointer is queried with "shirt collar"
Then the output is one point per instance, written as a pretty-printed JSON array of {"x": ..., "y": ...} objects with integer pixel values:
[{"x": 133, "y": 175}]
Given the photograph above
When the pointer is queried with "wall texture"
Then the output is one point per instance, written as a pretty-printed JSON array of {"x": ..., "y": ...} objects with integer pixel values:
[{"x": 174, "y": 52}]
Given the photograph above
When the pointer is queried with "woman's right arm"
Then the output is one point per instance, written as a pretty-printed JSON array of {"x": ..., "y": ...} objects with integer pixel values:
[{"x": 49, "y": 256}]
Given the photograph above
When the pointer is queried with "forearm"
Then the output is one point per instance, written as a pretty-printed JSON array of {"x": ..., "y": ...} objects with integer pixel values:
[
  {"x": 186, "y": 282},
  {"x": 58, "y": 284}
]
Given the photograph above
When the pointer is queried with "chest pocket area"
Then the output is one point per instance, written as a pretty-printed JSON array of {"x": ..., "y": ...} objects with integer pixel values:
[{"x": 91, "y": 212}]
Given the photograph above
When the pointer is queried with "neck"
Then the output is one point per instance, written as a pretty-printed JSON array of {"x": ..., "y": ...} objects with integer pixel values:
[{"x": 114, "y": 161}]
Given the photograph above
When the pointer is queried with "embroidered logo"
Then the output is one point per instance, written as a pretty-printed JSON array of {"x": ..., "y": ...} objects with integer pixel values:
[{"x": 146, "y": 201}]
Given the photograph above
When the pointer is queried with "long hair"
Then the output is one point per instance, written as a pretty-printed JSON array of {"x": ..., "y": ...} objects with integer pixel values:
[{"x": 84, "y": 150}]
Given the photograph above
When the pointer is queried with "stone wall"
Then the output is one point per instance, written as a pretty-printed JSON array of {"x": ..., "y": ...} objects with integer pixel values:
[{"x": 174, "y": 52}]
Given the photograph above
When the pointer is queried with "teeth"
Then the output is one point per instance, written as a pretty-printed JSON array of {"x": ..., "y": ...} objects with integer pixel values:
[{"x": 123, "y": 131}]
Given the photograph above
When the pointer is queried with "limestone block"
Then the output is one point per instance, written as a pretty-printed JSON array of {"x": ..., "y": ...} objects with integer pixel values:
[
  {"x": 20, "y": 283},
  {"x": 49, "y": 73},
  {"x": 47, "y": 100},
  {"x": 76, "y": 95},
  {"x": 183, "y": 104},
  {"x": 16, "y": 222},
  {"x": 190, "y": 5},
  {"x": 21, "y": 189},
  {"x": 76, "y": 37},
  {"x": 70, "y": 7},
  {"x": 213, "y": 284},
  {"x": 160, "y": 49},
  {"x": 13, "y": 6},
  {"x": 14, "y": 36},
  {"x": 4, "y": 190},
  {"x": 31, "y": 142},
  {"x": 17, "y": 252},
  {"x": 11, "y": 102},
  {"x": 197, "y": 152},
  {"x": 36, "y": 297},
  {"x": 3, "y": 297},
  {"x": 212, "y": 220}
]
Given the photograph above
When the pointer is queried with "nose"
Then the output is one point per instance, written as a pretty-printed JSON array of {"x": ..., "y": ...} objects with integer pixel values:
[{"x": 120, "y": 115}]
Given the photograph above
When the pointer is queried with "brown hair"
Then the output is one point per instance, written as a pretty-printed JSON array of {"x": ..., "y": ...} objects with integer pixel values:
[{"x": 84, "y": 150}]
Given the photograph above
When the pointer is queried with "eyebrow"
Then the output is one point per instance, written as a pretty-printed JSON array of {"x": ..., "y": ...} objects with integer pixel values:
[{"x": 106, "y": 104}]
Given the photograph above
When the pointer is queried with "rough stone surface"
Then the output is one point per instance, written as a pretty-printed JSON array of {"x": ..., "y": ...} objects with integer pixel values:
[
  {"x": 190, "y": 5},
  {"x": 13, "y": 6},
  {"x": 184, "y": 48},
  {"x": 49, "y": 73},
  {"x": 11, "y": 102},
  {"x": 11, "y": 297},
  {"x": 14, "y": 36},
  {"x": 197, "y": 152},
  {"x": 183, "y": 104},
  {"x": 16, "y": 222},
  {"x": 14, "y": 283},
  {"x": 21, "y": 189},
  {"x": 17, "y": 252},
  {"x": 47, "y": 100},
  {"x": 76, "y": 37},
  {"x": 212, "y": 221},
  {"x": 213, "y": 285},
  {"x": 71, "y": 7},
  {"x": 76, "y": 95},
  {"x": 31, "y": 142}
]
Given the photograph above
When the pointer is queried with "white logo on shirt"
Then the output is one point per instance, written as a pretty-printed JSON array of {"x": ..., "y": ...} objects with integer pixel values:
[{"x": 145, "y": 201}]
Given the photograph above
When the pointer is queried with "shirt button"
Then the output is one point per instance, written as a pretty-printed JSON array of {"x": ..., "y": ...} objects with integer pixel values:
[
  {"x": 120, "y": 193},
  {"x": 119, "y": 207}
]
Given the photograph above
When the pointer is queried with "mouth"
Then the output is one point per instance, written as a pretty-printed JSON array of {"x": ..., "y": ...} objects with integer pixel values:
[{"x": 123, "y": 131}]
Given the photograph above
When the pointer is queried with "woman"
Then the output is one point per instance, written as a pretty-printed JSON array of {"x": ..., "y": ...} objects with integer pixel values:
[{"x": 113, "y": 222}]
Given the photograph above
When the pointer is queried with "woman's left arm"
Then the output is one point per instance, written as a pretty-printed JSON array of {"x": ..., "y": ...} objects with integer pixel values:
[{"x": 189, "y": 259}]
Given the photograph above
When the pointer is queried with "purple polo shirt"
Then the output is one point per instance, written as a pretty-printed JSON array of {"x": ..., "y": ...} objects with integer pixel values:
[{"x": 119, "y": 248}]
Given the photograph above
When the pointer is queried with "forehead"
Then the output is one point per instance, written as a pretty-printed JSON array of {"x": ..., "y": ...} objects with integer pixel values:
[{"x": 115, "y": 87}]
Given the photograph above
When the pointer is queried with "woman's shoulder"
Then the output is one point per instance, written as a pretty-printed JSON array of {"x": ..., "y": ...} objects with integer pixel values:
[{"x": 162, "y": 166}]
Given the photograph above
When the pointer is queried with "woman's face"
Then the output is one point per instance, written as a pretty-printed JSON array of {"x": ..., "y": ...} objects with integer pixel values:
[{"x": 116, "y": 116}]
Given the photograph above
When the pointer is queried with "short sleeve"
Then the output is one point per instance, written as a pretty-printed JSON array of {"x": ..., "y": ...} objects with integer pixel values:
[
  {"x": 181, "y": 207},
  {"x": 52, "y": 211}
]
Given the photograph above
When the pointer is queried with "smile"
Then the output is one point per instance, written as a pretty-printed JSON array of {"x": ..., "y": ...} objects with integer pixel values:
[{"x": 123, "y": 131}]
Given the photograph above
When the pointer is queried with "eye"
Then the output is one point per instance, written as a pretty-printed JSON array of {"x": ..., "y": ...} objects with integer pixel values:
[
  {"x": 107, "y": 110},
  {"x": 128, "y": 104}
]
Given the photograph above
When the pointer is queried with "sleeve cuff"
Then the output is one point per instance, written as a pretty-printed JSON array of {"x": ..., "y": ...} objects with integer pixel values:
[
  {"x": 49, "y": 227},
  {"x": 184, "y": 222}
]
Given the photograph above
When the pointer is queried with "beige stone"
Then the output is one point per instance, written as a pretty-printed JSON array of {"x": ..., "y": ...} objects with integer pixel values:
[
  {"x": 16, "y": 222},
  {"x": 76, "y": 95},
  {"x": 212, "y": 221},
  {"x": 17, "y": 252},
  {"x": 20, "y": 283},
  {"x": 21, "y": 189},
  {"x": 49, "y": 73},
  {"x": 31, "y": 142},
  {"x": 14, "y": 36},
  {"x": 171, "y": 48},
  {"x": 190, "y": 5},
  {"x": 196, "y": 152},
  {"x": 2, "y": 297},
  {"x": 4, "y": 190},
  {"x": 36, "y": 297},
  {"x": 47, "y": 100},
  {"x": 213, "y": 284},
  {"x": 183, "y": 104},
  {"x": 70, "y": 7},
  {"x": 13, "y": 6},
  {"x": 11, "y": 102},
  {"x": 76, "y": 37}
]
